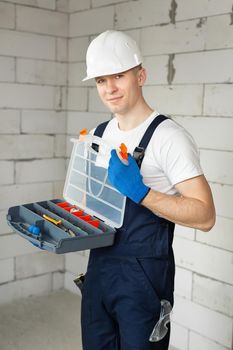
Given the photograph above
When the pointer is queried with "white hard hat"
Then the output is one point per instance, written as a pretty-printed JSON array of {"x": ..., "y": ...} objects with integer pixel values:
[{"x": 111, "y": 52}]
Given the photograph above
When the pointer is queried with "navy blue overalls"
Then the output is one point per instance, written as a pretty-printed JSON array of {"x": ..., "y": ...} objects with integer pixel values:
[{"x": 125, "y": 282}]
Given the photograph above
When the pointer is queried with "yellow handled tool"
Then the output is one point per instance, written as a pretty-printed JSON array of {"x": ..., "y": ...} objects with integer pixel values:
[
  {"x": 56, "y": 222},
  {"x": 59, "y": 223}
]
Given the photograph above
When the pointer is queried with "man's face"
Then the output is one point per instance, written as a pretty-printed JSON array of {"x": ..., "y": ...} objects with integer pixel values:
[{"x": 121, "y": 92}]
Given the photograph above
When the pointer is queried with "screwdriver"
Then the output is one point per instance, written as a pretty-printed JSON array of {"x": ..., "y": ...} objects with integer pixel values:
[{"x": 59, "y": 224}]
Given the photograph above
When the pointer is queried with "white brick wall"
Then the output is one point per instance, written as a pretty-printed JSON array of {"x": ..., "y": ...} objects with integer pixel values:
[
  {"x": 167, "y": 38},
  {"x": 20, "y": 44},
  {"x": 33, "y": 82},
  {"x": 100, "y": 18},
  {"x": 202, "y": 8},
  {"x": 134, "y": 14},
  {"x": 9, "y": 121},
  {"x": 218, "y": 100},
  {"x": 204, "y": 321},
  {"x": 41, "y": 21},
  {"x": 188, "y": 52},
  {"x": 183, "y": 100},
  {"x": 40, "y": 263},
  {"x": 195, "y": 67}
]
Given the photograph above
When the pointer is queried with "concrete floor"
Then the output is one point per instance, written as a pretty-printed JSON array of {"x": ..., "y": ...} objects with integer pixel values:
[{"x": 50, "y": 322}]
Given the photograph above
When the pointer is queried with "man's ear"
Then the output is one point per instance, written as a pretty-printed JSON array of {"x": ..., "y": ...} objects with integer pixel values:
[{"x": 142, "y": 76}]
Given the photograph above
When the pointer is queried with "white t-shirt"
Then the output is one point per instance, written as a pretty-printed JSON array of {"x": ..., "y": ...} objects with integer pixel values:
[{"x": 171, "y": 155}]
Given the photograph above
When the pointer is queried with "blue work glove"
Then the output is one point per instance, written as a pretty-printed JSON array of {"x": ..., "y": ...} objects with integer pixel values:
[{"x": 127, "y": 178}]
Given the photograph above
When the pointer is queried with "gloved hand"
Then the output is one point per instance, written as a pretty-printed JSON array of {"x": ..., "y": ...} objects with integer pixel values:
[{"x": 127, "y": 178}]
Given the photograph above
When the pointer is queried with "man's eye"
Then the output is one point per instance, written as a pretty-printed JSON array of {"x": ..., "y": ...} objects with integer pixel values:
[
  {"x": 100, "y": 81},
  {"x": 118, "y": 76}
]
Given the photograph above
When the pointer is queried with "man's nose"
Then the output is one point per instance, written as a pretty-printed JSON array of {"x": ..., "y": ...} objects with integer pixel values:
[{"x": 111, "y": 86}]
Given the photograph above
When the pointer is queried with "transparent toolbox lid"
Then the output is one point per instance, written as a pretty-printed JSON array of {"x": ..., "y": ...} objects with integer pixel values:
[{"x": 87, "y": 184}]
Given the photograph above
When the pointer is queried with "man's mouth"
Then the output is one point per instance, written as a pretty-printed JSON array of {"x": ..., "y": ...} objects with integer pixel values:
[{"x": 114, "y": 99}]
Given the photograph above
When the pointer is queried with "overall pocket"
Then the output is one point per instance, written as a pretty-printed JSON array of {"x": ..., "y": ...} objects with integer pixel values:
[{"x": 155, "y": 277}]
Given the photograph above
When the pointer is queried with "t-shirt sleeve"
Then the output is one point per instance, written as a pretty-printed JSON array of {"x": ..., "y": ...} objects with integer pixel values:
[{"x": 180, "y": 157}]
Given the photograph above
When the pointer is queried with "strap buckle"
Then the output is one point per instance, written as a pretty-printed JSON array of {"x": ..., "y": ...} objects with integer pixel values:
[{"x": 138, "y": 155}]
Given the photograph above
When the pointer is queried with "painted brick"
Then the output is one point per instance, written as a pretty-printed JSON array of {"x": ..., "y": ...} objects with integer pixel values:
[
  {"x": 167, "y": 39},
  {"x": 77, "y": 71},
  {"x": 51, "y": 4},
  {"x": 94, "y": 102},
  {"x": 6, "y": 270},
  {"x": 134, "y": 14},
  {"x": 135, "y": 34},
  {"x": 57, "y": 281},
  {"x": 217, "y": 166},
  {"x": 76, "y": 263},
  {"x": 179, "y": 337},
  {"x": 58, "y": 189},
  {"x": 183, "y": 283},
  {"x": 202, "y": 8},
  {"x": 221, "y": 131},
  {"x": 69, "y": 283},
  {"x": 4, "y": 227},
  {"x": 41, "y": 21},
  {"x": 100, "y": 18},
  {"x": 62, "y": 5},
  {"x": 40, "y": 72},
  {"x": 21, "y": 44},
  {"x": 7, "y": 15},
  {"x": 6, "y": 173},
  {"x": 7, "y": 68},
  {"x": 37, "y": 264},
  {"x": 181, "y": 100},
  {"x": 9, "y": 121},
  {"x": 77, "y": 98},
  {"x": 26, "y": 146},
  {"x": 218, "y": 100},
  {"x": 18, "y": 194},
  {"x": 185, "y": 232},
  {"x": 196, "y": 68},
  {"x": 43, "y": 122},
  {"x": 69, "y": 146},
  {"x": 62, "y": 49},
  {"x": 223, "y": 200},
  {"x": 43, "y": 170},
  {"x": 96, "y": 3},
  {"x": 203, "y": 259},
  {"x": 25, "y": 288},
  {"x": 157, "y": 70},
  {"x": 77, "y": 49},
  {"x": 80, "y": 5},
  {"x": 60, "y": 146},
  {"x": 26, "y": 96},
  {"x": 60, "y": 98},
  {"x": 14, "y": 245},
  {"x": 79, "y": 120},
  {"x": 198, "y": 342},
  {"x": 46, "y": 4},
  {"x": 220, "y": 236},
  {"x": 219, "y": 33},
  {"x": 211, "y": 324},
  {"x": 215, "y": 295}
]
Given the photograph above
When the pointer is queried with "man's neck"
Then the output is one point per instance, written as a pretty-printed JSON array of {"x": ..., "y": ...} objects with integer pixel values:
[{"x": 133, "y": 118}]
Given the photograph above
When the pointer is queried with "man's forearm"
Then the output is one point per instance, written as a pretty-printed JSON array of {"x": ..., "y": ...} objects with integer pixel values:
[{"x": 181, "y": 210}]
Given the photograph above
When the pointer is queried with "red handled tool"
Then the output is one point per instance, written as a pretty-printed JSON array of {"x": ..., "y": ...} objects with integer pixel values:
[{"x": 122, "y": 153}]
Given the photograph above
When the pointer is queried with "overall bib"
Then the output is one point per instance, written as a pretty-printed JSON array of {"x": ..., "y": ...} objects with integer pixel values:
[{"x": 125, "y": 282}]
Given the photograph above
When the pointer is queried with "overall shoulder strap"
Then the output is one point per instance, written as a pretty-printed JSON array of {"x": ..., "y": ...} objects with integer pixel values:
[
  {"x": 99, "y": 132},
  {"x": 139, "y": 151},
  {"x": 100, "y": 128}
]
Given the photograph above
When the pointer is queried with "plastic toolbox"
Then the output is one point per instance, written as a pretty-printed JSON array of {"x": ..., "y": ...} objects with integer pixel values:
[{"x": 92, "y": 209}]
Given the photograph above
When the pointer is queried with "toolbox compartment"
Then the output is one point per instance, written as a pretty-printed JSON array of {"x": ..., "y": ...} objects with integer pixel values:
[{"x": 98, "y": 207}]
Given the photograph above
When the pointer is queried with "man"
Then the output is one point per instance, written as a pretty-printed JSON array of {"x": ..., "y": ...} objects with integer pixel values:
[{"x": 164, "y": 185}]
